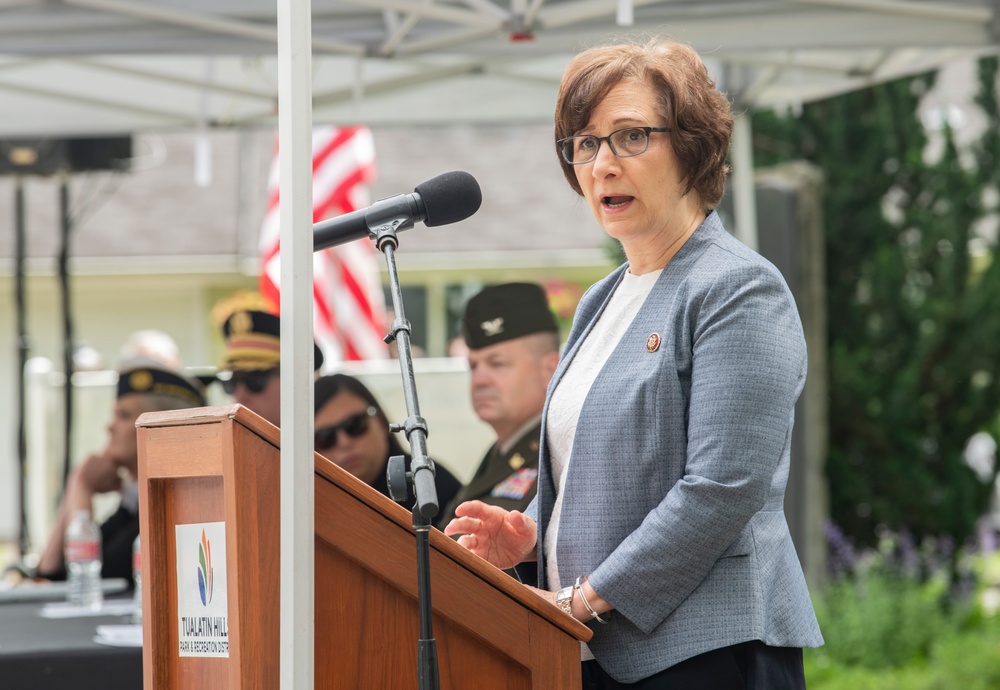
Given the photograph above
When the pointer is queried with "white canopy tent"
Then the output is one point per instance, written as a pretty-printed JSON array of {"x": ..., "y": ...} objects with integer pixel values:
[
  {"x": 98, "y": 66},
  {"x": 90, "y": 66},
  {"x": 77, "y": 67}
]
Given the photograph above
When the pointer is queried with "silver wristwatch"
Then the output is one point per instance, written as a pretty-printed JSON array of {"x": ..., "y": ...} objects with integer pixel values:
[{"x": 564, "y": 599}]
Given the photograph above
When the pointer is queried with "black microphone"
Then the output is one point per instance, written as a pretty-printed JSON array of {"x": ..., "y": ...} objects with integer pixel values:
[{"x": 447, "y": 198}]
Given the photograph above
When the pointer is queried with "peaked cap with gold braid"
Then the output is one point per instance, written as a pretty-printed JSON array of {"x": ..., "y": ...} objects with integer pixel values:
[{"x": 252, "y": 342}]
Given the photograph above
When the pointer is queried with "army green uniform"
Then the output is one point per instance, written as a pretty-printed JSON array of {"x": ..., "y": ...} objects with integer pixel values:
[
  {"x": 508, "y": 480},
  {"x": 497, "y": 314}
]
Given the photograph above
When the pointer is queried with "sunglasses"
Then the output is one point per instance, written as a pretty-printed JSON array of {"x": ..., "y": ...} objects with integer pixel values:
[
  {"x": 326, "y": 437},
  {"x": 254, "y": 381}
]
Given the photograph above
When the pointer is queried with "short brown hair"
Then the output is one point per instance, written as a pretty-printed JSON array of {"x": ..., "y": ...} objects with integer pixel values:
[{"x": 691, "y": 105}]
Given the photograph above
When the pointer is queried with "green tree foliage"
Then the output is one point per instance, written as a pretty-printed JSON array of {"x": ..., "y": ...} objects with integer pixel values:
[{"x": 914, "y": 316}]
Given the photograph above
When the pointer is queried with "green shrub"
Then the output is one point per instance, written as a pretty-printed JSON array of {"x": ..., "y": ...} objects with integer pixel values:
[
  {"x": 969, "y": 661},
  {"x": 883, "y": 619},
  {"x": 890, "y": 627},
  {"x": 963, "y": 660}
]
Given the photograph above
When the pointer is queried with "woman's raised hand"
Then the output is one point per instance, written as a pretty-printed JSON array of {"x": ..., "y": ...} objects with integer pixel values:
[{"x": 503, "y": 538}]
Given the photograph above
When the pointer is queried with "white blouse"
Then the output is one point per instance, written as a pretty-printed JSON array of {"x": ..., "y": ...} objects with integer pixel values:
[{"x": 570, "y": 393}]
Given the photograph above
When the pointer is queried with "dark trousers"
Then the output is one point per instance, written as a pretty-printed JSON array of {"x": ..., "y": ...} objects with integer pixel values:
[{"x": 745, "y": 666}]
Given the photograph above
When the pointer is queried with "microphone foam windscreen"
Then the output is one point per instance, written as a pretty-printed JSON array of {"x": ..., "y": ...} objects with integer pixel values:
[{"x": 449, "y": 197}]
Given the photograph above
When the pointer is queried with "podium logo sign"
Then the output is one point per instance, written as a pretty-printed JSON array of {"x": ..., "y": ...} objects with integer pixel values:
[
  {"x": 205, "y": 571},
  {"x": 202, "y": 597}
]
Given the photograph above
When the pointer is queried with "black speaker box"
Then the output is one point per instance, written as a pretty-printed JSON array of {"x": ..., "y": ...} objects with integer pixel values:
[{"x": 49, "y": 156}]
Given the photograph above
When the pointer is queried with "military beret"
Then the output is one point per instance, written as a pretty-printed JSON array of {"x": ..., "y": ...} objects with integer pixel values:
[
  {"x": 145, "y": 377},
  {"x": 504, "y": 312},
  {"x": 252, "y": 341}
]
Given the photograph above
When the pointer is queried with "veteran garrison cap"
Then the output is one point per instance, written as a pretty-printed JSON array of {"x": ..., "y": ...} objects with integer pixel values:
[
  {"x": 148, "y": 377},
  {"x": 252, "y": 341},
  {"x": 504, "y": 312}
]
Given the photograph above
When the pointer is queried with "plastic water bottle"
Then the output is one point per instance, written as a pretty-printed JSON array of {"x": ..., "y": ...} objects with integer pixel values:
[
  {"x": 137, "y": 580},
  {"x": 83, "y": 562}
]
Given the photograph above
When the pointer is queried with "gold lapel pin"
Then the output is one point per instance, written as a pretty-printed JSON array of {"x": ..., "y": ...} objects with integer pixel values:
[{"x": 653, "y": 342}]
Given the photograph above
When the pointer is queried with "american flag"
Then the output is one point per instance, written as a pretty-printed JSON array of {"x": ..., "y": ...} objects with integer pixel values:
[{"x": 349, "y": 307}]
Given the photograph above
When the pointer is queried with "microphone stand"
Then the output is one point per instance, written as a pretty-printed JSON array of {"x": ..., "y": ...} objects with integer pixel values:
[{"x": 421, "y": 474}]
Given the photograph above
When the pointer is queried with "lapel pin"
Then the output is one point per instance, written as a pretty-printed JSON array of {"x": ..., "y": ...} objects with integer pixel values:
[{"x": 653, "y": 342}]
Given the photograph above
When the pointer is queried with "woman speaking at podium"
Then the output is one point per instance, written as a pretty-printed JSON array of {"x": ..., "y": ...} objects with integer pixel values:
[{"x": 667, "y": 427}]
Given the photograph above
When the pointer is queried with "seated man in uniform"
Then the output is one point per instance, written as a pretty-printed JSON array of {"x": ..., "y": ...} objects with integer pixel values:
[
  {"x": 513, "y": 342},
  {"x": 144, "y": 385},
  {"x": 252, "y": 362}
]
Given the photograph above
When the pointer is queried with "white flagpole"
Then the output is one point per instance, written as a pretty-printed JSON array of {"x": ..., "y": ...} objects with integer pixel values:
[{"x": 295, "y": 217}]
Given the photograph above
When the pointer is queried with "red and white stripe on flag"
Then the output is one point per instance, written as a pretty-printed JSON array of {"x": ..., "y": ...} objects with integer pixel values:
[{"x": 349, "y": 306}]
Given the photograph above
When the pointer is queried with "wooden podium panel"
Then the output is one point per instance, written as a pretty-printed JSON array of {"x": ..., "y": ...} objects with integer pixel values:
[{"x": 222, "y": 464}]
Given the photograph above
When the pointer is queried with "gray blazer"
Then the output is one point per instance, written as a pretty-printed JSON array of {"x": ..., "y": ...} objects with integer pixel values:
[{"x": 676, "y": 483}]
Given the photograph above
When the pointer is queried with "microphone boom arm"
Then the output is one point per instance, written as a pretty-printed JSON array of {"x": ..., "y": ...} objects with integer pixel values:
[{"x": 447, "y": 198}]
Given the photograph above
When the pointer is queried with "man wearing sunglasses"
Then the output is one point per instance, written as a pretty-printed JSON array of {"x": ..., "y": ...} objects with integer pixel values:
[
  {"x": 252, "y": 362},
  {"x": 513, "y": 342}
]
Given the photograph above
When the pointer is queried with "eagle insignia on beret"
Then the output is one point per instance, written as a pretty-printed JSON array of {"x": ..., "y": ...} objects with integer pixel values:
[
  {"x": 492, "y": 327},
  {"x": 140, "y": 380}
]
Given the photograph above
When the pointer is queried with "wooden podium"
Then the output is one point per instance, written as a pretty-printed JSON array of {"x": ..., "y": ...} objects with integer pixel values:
[{"x": 221, "y": 464}]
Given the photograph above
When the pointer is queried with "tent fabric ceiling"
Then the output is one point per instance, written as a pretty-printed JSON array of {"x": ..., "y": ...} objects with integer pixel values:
[{"x": 96, "y": 66}]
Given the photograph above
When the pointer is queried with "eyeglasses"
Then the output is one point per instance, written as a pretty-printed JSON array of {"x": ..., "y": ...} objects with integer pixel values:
[
  {"x": 624, "y": 143},
  {"x": 326, "y": 437},
  {"x": 255, "y": 381}
]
